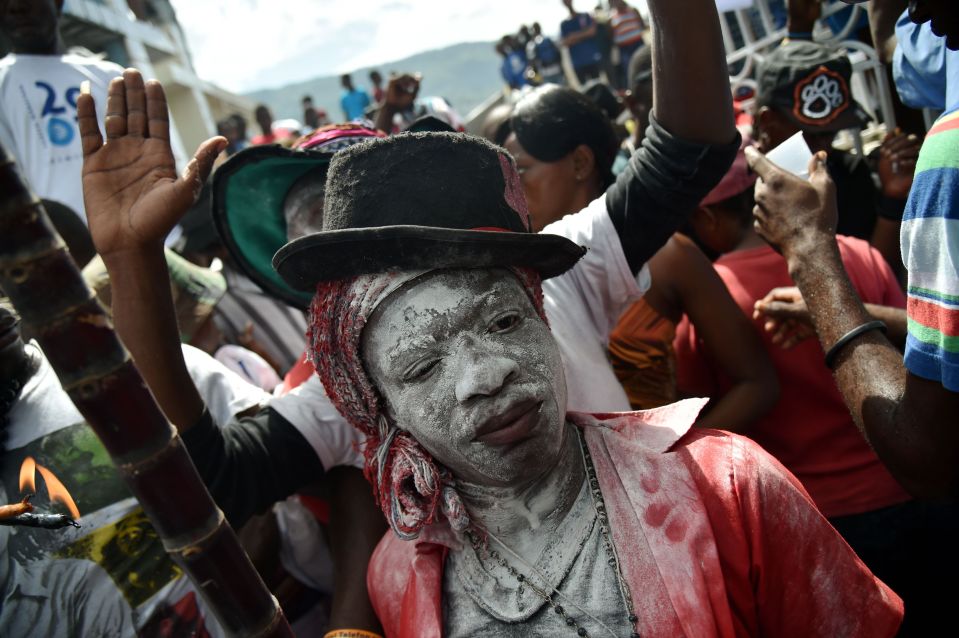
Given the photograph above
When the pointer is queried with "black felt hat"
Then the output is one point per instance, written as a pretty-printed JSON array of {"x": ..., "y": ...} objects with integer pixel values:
[{"x": 422, "y": 200}]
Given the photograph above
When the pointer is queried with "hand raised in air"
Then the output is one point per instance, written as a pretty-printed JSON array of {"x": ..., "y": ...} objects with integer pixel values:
[{"x": 132, "y": 193}]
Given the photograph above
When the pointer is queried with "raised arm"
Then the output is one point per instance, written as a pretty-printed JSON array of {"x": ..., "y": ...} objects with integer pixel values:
[
  {"x": 908, "y": 420},
  {"x": 133, "y": 198},
  {"x": 787, "y": 318},
  {"x": 401, "y": 94},
  {"x": 692, "y": 139},
  {"x": 691, "y": 95},
  {"x": 883, "y": 15},
  {"x": 579, "y": 36},
  {"x": 727, "y": 334}
]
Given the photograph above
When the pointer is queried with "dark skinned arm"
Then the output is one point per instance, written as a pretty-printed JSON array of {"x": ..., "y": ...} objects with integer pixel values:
[
  {"x": 580, "y": 36},
  {"x": 692, "y": 139},
  {"x": 909, "y": 421},
  {"x": 684, "y": 282},
  {"x": 802, "y": 15},
  {"x": 883, "y": 15},
  {"x": 401, "y": 92},
  {"x": 353, "y": 537},
  {"x": 133, "y": 198},
  {"x": 691, "y": 96},
  {"x": 897, "y": 164},
  {"x": 787, "y": 318}
]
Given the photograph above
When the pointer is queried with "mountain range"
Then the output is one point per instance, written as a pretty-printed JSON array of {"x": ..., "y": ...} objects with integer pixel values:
[{"x": 465, "y": 74}]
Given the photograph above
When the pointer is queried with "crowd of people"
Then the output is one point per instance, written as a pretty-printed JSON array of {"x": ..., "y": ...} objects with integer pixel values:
[
  {"x": 355, "y": 104},
  {"x": 609, "y": 371},
  {"x": 599, "y": 42}
]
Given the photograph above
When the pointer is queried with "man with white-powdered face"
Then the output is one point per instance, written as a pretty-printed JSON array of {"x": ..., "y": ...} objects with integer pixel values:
[
  {"x": 510, "y": 513},
  {"x": 456, "y": 183}
]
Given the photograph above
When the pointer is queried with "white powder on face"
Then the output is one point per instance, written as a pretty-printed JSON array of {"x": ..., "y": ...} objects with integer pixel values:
[{"x": 447, "y": 317}]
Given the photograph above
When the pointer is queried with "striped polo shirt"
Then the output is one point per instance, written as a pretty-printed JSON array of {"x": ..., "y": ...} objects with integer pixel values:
[
  {"x": 627, "y": 27},
  {"x": 930, "y": 251}
]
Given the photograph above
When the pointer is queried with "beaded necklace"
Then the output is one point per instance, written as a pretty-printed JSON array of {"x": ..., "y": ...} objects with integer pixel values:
[{"x": 551, "y": 595}]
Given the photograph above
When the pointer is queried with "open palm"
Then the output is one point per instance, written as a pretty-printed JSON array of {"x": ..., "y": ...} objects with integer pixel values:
[{"x": 131, "y": 191}]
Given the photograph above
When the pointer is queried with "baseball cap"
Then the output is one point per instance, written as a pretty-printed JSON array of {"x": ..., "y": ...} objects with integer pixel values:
[
  {"x": 809, "y": 83},
  {"x": 736, "y": 180}
]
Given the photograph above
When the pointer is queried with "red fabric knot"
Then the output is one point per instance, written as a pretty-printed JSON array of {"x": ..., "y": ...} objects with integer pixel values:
[{"x": 514, "y": 190}]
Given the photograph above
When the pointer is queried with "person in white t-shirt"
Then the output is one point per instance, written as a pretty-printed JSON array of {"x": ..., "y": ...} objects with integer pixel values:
[{"x": 39, "y": 85}]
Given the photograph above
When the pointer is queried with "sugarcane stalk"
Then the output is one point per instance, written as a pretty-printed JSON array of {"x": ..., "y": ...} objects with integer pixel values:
[{"x": 49, "y": 293}]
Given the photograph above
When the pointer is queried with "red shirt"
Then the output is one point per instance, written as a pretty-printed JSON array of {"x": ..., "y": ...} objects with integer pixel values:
[
  {"x": 715, "y": 538},
  {"x": 809, "y": 430},
  {"x": 297, "y": 375}
]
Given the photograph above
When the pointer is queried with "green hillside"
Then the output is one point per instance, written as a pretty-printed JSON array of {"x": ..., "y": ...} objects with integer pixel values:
[{"x": 465, "y": 74}]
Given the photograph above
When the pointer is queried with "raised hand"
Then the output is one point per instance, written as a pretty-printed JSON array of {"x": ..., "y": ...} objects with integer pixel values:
[
  {"x": 132, "y": 193},
  {"x": 785, "y": 316},
  {"x": 803, "y": 15},
  {"x": 401, "y": 91},
  {"x": 794, "y": 216},
  {"x": 897, "y": 163}
]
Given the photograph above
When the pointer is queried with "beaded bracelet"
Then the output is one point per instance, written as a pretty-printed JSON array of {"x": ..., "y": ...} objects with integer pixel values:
[
  {"x": 849, "y": 336},
  {"x": 351, "y": 633}
]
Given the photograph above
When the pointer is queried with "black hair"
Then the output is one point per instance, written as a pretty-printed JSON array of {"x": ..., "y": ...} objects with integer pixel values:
[
  {"x": 604, "y": 97},
  {"x": 240, "y": 122},
  {"x": 552, "y": 121}
]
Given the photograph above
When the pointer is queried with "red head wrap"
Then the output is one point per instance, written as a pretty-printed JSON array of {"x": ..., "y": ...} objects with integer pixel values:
[{"x": 408, "y": 484}]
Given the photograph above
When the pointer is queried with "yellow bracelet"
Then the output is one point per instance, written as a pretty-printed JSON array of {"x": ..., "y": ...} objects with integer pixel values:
[{"x": 351, "y": 633}]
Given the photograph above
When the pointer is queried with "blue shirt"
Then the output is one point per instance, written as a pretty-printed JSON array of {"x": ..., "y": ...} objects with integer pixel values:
[
  {"x": 925, "y": 71},
  {"x": 354, "y": 103},
  {"x": 514, "y": 69},
  {"x": 547, "y": 53},
  {"x": 587, "y": 51}
]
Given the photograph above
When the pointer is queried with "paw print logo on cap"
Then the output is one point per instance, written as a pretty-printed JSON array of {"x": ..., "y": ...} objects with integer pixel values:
[{"x": 821, "y": 97}]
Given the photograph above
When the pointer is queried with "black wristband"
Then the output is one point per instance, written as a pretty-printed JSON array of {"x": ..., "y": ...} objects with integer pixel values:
[
  {"x": 849, "y": 336},
  {"x": 890, "y": 208}
]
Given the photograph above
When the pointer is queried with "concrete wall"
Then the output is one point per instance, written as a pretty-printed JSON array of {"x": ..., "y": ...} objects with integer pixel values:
[{"x": 158, "y": 49}]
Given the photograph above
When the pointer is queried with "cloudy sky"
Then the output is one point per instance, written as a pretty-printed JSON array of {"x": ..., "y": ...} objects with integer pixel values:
[{"x": 251, "y": 44}]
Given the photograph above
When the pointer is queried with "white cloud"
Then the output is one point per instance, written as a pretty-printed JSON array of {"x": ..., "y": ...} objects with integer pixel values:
[{"x": 249, "y": 44}]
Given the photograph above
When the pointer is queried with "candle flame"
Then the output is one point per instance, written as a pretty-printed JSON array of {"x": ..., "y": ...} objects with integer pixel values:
[
  {"x": 28, "y": 472},
  {"x": 56, "y": 491}
]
